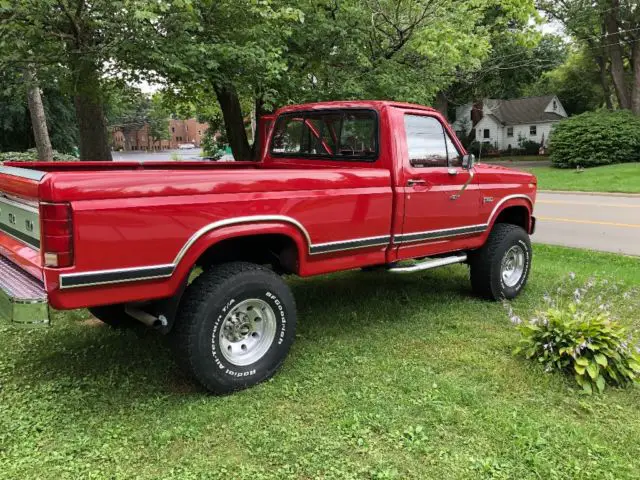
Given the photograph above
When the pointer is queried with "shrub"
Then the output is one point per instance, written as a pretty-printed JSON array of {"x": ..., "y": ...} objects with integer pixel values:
[
  {"x": 529, "y": 147},
  {"x": 596, "y": 138},
  {"x": 31, "y": 155},
  {"x": 487, "y": 150},
  {"x": 582, "y": 336}
]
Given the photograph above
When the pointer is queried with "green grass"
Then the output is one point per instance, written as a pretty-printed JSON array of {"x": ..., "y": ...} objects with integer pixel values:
[
  {"x": 519, "y": 158},
  {"x": 390, "y": 377},
  {"x": 624, "y": 178}
]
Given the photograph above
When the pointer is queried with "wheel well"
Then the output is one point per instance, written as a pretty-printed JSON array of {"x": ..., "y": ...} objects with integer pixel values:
[
  {"x": 517, "y": 215},
  {"x": 278, "y": 251}
]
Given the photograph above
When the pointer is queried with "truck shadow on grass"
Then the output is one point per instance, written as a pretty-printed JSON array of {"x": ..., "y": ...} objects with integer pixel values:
[{"x": 84, "y": 355}]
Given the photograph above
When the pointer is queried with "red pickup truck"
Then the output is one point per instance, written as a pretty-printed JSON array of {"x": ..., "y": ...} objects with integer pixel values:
[{"x": 198, "y": 249}]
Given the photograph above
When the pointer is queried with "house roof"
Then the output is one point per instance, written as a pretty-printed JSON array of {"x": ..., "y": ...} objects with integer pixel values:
[{"x": 523, "y": 110}]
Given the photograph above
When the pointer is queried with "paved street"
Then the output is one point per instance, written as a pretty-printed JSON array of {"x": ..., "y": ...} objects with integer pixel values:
[
  {"x": 190, "y": 154},
  {"x": 597, "y": 222}
]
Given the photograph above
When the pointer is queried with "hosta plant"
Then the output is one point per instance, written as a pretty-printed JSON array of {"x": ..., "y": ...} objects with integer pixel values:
[{"x": 581, "y": 334}]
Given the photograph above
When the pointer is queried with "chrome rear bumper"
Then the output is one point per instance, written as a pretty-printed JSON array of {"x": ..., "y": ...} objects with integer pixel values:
[{"x": 23, "y": 299}]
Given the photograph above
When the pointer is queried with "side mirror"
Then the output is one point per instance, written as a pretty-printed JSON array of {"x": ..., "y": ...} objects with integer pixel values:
[{"x": 468, "y": 161}]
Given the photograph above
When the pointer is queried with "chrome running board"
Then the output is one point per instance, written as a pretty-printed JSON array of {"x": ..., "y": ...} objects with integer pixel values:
[{"x": 430, "y": 263}]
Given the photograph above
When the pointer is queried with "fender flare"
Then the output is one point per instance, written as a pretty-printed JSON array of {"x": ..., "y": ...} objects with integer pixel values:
[
  {"x": 516, "y": 200},
  {"x": 221, "y": 230}
]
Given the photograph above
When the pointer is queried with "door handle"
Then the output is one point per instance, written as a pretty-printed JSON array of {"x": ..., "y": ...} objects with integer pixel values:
[
  {"x": 415, "y": 181},
  {"x": 452, "y": 171}
]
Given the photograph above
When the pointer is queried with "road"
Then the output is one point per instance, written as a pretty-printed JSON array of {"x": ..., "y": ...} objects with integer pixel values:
[
  {"x": 190, "y": 154},
  {"x": 597, "y": 222}
]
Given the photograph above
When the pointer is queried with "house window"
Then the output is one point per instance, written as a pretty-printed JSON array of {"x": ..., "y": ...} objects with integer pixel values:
[
  {"x": 533, "y": 130},
  {"x": 509, "y": 131},
  {"x": 487, "y": 133},
  {"x": 173, "y": 129},
  {"x": 555, "y": 105}
]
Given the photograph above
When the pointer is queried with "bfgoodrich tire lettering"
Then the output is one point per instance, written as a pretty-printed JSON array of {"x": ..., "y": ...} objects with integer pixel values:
[
  {"x": 211, "y": 318},
  {"x": 490, "y": 265}
]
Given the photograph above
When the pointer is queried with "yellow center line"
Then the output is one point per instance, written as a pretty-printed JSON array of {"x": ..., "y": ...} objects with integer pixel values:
[
  {"x": 589, "y": 222},
  {"x": 613, "y": 205}
]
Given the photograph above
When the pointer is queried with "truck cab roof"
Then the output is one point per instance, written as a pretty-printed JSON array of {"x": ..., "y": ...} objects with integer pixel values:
[{"x": 365, "y": 104}]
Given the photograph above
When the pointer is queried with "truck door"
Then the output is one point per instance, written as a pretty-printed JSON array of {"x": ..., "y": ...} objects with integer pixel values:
[{"x": 442, "y": 201}]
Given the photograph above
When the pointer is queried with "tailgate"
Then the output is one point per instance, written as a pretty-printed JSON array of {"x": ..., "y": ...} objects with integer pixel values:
[{"x": 23, "y": 298}]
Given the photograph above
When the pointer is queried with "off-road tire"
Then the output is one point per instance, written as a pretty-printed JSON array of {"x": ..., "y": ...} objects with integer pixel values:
[
  {"x": 486, "y": 263},
  {"x": 196, "y": 335}
]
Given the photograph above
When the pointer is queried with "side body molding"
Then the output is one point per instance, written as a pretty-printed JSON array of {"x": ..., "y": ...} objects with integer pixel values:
[{"x": 156, "y": 272}]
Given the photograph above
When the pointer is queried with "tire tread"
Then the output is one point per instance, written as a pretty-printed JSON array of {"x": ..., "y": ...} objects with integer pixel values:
[{"x": 184, "y": 335}]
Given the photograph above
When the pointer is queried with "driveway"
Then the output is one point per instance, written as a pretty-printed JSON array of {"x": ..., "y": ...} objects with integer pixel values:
[{"x": 598, "y": 222}]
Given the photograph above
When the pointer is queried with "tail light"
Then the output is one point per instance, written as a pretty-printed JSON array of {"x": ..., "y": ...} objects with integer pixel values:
[{"x": 57, "y": 234}]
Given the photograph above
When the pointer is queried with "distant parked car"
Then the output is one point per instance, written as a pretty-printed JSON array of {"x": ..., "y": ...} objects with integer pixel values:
[{"x": 186, "y": 146}]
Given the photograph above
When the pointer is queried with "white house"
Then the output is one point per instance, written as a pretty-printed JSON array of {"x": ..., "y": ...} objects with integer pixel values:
[{"x": 504, "y": 123}]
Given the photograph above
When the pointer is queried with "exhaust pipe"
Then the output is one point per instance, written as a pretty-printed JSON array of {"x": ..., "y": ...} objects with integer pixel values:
[{"x": 146, "y": 318}]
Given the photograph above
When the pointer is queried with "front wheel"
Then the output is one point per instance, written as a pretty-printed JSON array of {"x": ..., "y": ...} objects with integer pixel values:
[
  {"x": 500, "y": 269},
  {"x": 235, "y": 326}
]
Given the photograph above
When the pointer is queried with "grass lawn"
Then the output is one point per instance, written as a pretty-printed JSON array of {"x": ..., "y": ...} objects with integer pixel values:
[
  {"x": 390, "y": 377},
  {"x": 612, "y": 178},
  {"x": 518, "y": 158}
]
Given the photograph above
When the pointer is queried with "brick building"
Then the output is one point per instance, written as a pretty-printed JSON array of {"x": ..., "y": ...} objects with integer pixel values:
[{"x": 180, "y": 131}]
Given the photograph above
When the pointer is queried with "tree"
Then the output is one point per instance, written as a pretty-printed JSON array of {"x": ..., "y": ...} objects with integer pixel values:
[
  {"x": 158, "y": 119},
  {"x": 129, "y": 109},
  {"x": 38, "y": 117},
  {"x": 397, "y": 49},
  {"x": 16, "y": 132},
  {"x": 126, "y": 108},
  {"x": 516, "y": 63},
  {"x": 610, "y": 29},
  {"x": 576, "y": 82},
  {"x": 81, "y": 41}
]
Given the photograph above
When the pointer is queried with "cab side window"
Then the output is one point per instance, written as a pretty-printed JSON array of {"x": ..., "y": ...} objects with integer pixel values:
[
  {"x": 425, "y": 141},
  {"x": 453, "y": 155}
]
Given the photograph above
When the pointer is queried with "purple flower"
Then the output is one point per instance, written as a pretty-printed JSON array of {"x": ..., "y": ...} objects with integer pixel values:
[{"x": 577, "y": 295}]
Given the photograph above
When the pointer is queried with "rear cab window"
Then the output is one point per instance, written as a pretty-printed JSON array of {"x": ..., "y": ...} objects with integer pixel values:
[{"x": 347, "y": 135}]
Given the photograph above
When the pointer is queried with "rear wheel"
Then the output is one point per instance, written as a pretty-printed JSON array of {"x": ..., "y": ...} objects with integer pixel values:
[
  {"x": 235, "y": 326},
  {"x": 500, "y": 269}
]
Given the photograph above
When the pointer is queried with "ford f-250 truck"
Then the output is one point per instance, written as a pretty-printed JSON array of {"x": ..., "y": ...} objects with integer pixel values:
[{"x": 198, "y": 250}]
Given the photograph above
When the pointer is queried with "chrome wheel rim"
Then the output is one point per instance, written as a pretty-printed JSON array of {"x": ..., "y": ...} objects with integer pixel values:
[
  {"x": 247, "y": 332},
  {"x": 512, "y": 268}
]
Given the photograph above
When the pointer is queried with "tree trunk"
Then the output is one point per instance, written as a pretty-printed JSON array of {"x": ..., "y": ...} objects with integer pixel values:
[
  {"x": 94, "y": 143},
  {"x": 233, "y": 121},
  {"x": 616, "y": 54},
  {"x": 38, "y": 118},
  {"x": 635, "y": 65},
  {"x": 442, "y": 104},
  {"x": 257, "y": 135},
  {"x": 604, "y": 81}
]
